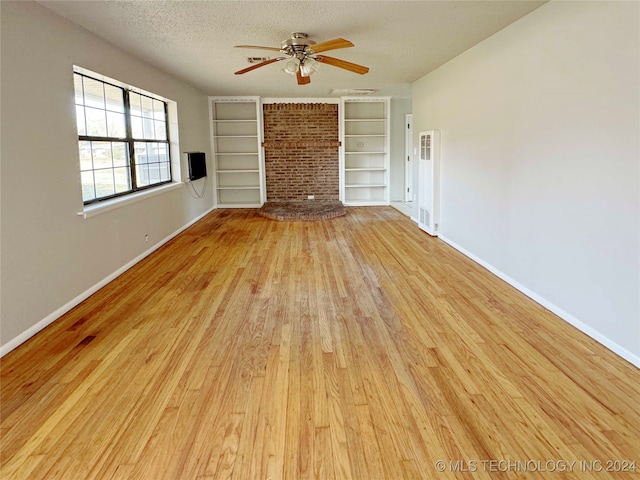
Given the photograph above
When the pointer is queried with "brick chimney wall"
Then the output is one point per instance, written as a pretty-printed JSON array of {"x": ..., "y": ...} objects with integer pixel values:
[{"x": 301, "y": 151}]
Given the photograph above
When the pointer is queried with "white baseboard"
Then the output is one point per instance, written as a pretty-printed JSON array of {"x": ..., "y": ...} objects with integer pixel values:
[
  {"x": 583, "y": 327},
  {"x": 49, "y": 319}
]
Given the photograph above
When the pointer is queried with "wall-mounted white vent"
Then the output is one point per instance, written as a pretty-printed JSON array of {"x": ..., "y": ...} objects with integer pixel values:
[
  {"x": 425, "y": 216},
  {"x": 429, "y": 182},
  {"x": 350, "y": 92}
]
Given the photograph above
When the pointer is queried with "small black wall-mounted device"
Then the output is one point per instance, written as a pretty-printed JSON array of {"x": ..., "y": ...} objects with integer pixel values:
[{"x": 197, "y": 165}]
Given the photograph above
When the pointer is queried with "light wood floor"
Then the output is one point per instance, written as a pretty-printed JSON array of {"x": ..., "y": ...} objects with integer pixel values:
[{"x": 357, "y": 347}]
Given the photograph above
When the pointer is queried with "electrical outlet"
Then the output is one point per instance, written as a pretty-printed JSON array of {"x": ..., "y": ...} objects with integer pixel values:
[
  {"x": 146, "y": 238},
  {"x": 311, "y": 197}
]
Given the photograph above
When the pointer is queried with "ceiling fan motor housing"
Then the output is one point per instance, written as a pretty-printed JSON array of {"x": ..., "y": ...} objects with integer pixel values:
[{"x": 296, "y": 43}]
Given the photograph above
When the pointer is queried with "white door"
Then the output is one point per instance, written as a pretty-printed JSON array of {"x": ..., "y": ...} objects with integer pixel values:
[{"x": 408, "y": 164}]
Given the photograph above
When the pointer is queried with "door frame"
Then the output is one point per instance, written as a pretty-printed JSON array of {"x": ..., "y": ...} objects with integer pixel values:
[{"x": 408, "y": 157}]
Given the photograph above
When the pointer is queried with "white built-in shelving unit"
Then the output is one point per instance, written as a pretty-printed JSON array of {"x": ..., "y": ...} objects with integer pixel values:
[
  {"x": 236, "y": 137},
  {"x": 364, "y": 161}
]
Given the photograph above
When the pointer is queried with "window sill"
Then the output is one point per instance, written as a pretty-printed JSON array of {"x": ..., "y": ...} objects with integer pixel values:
[{"x": 108, "y": 205}]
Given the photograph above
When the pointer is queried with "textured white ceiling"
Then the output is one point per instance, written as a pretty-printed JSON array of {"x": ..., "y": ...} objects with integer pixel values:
[{"x": 400, "y": 41}]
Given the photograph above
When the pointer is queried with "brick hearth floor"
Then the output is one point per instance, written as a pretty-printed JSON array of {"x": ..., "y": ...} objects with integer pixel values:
[{"x": 303, "y": 210}]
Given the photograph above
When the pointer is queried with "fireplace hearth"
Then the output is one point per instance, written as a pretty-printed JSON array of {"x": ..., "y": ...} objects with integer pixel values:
[{"x": 303, "y": 210}]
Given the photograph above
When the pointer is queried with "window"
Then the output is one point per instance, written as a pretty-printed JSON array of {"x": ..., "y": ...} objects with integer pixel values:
[{"x": 123, "y": 139}]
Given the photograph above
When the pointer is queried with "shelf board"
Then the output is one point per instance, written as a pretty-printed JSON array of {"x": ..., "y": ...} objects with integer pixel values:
[
  {"x": 222, "y": 120},
  {"x": 366, "y": 185},
  {"x": 366, "y": 169},
  {"x": 365, "y": 119},
  {"x": 235, "y": 136},
  {"x": 236, "y": 153},
  {"x": 364, "y": 153},
  {"x": 366, "y": 135}
]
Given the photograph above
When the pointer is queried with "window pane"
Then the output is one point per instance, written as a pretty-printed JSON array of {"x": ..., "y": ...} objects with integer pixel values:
[
  {"x": 114, "y": 98},
  {"x": 163, "y": 152},
  {"x": 142, "y": 175},
  {"x": 160, "y": 130},
  {"x": 122, "y": 179},
  {"x": 104, "y": 182},
  {"x": 82, "y": 130},
  {"x": 152, "y": 152},
  {"x": 136, "y": 127},
  {"x": 115, "y": 125},
  {"x": 93, "y": 93},
  {"x": 85, "y": 157},
  {"x": 154, "y": 173},
  {"x": 158, "y": 110},
  {"x": 147, "y": 125},
  {"x": 77, "y": 83},
  {"x": 147, "y": 106},
  {"x": 120, "y": 154},
  {"x": 134, "y": 104},
  {"x": 96, "y": 122},
  {"x": 140, "y": 149},
  {"x": 165, "y": 173},
  {"x": 101, "y": 155},
  {"x": 88, "y": 191},
  {"x": 153, "y": 161}
]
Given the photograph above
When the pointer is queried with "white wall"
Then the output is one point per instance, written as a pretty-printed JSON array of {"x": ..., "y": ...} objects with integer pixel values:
[
  {"x": 50, "y": 255},
  {"x": 540, "y": 129}
]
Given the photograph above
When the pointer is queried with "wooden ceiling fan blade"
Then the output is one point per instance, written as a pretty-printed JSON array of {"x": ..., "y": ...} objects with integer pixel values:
[
  {"x": 336, "y": 62},
  {"x": 273, "y": 49},
  {"x": 258, "y": 65},
  {"x": 302, "y": 80},
  {"x": 329, "y": 45}
]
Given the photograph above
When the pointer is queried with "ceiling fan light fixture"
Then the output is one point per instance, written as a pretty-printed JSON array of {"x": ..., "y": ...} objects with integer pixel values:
[
  {"x": 291, "y": 67},
  {"x": 308, "y": 66}
]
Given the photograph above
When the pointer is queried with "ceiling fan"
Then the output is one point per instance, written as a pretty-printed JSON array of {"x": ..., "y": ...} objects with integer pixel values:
[{"x": 303, "y": 57}]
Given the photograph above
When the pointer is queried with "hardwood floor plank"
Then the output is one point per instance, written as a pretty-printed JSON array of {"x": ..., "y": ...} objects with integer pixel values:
[
  {"x": 352, "y": 348},
  {"x": 341, "y": 453},
  {"x": 323, "y": 454},
  {"x": 248, "y": 441},
  {"x": 353, "y": 438},
  {"x": 294, "y": 420}
]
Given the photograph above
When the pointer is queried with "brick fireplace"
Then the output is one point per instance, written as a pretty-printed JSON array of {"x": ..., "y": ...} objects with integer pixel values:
[{"x": 301, "y": 151}]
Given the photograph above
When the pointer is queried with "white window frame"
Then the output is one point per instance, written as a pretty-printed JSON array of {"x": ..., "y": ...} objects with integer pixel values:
[{"x": 108, "y": 204}]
